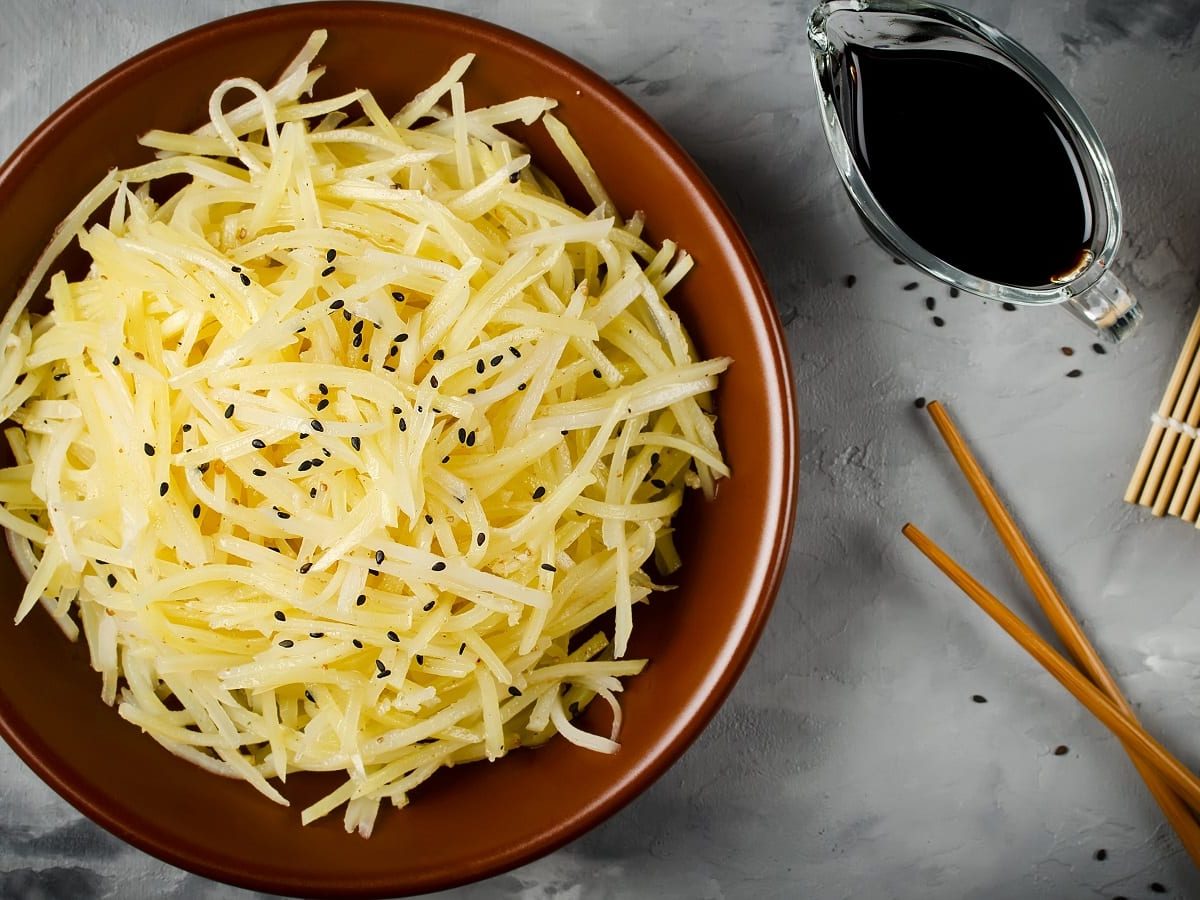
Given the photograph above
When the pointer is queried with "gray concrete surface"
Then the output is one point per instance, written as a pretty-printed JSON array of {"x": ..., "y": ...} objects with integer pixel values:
[{"x": 850, "y": 760}]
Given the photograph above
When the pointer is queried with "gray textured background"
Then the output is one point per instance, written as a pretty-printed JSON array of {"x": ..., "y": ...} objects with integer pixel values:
[{"x": 850, "y": 760}]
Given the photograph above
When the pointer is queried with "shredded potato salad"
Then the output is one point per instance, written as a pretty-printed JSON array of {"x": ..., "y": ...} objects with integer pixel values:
[{"x": 336, "y": 454}]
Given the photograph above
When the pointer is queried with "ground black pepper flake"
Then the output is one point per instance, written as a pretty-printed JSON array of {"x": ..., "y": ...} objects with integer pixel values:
[
  {"x": 539, "y": 492},
  {"x": 1008, "y": 307},
  {"x": 439, "y": 566},
  {"x": 938, "y": 321},
  {"x": 112, "y": 580},
  {"x": 912, "y": 286},
  {"x": 258, "y": 444},
  {"x": 979, "y": 698},
  {"x": 1062, "y": 750},
  {"x": 1074, "y": 373},
  {"x": 163, "y": 488},
  {"x": 919, "y": 403}
]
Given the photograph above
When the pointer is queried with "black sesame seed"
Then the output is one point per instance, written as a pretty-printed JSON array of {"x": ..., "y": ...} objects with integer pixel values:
[
  {"x": 328, "y": 270},
  {"x": 953, "y": 292},
  {"x": 851, "y": 280},
  {"x": 445, "y": 459},
  {"x": 303, "y": 435},
  {"x": 316, "y": 425},
  {"x": 433, "y": 382},
  {"x": 1100, "y": 855},
  {"x": 514, "y": 177},
  {"x": 979, "y": 698},
  {"x": 196, "y": 511},
  {"x": 337, "y": 304},
  {"x": 480, "y": 538},
  {"x": 396, "y": 410},
  {"x": 116, "y": 360},
  {"x": 938, "y": 321},
  {"x": 362, "y": 598},
  {"x": 202, "y": 468},
  {"x": 1008, "y": 307},
  {"x": 393, "y": 350},
  {"x": 245, "y": 280},
  {"x": 357, "y": 340},
  {"x": 539, "y": 492},
  {"x": 384, "y": 674},
  {"x": 654, "y": 458},
  {"x": 312, "y": 492},
  {"x": 470, "y": 390},
  {"x": 305, "y": 465},
  {"x": 392, "y": 636},
  {"x": 439, "y": 354},
  {"x": 380, "y": 666},
  {"x": 187, "y": 426},
  {"x": 356, "y": 642},
  {"x": 1099, "y": 348},
  {"x": 356, "y": 442},
  {"x": 379, "y": 557},
  {"x": 235, "y": 268},
  {"x": 304, "y": 569},
  {"x": 321, "y": 404},
  {"x": 149, "y": 448},
  {"x": 330, "y": 255},
  {"x": 1157, "y": 888},
  {"x": 495, "y": 361},
  {"x": 279, "y": 616},
  {"x": 112, "y": 580},
  {"x": 428, "y": 606},
  {"x": 428, "y": 519},
  {"x": 658, "y": 483},
  {"x": 60, "y": 376},
  {"x": 573, "y": 710},
  {"x": 163, "y": 488},
  {"x": 358, "y": 326},
  {"x": 286, "y": 643},
  {"x": 549, "y": 568},
  {"x": 373, "y": 572},
  {"x": 258, "y": 444},
  {"x": 258, "y": 473},
  {"x": 1062, "y": 750},
  {"x": 310, "y": 697},
  {"x": 1074, "y": 373},
  {"x": 462, "y": 435},
  {"x": 930, "y": 304},
  {"x": 515, "y": 352},
  {"x": 388, "y": 368},
  {"x": 897, "y": 260},
  {"x": 1067, "y": 351},
  {"x": 514, "y": 691},
  {"x": 402, "y": 425},
  {"x": 479, "y": 366},
  {"x": 439, "y": 566},
  {"x": 462, "y": 647},
  {"x": 420, "y": 659},
  {"x": 911, "y": 286},
  {"x": 919, "y": 403},
  {"x": 346, "y": 315},
  {"x": 229, "y": 411},
  {"x": 471, "y": 439},
  {"x": 596, "y": 373}
]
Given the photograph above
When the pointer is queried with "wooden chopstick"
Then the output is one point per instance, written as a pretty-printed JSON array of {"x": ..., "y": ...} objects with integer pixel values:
[
  {"x": 1061, "y": 619},
  {"x": 1127, "y": 729}
]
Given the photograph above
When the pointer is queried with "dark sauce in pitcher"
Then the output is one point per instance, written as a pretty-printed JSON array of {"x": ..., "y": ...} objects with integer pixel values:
[{"x": 970, "y": 160}]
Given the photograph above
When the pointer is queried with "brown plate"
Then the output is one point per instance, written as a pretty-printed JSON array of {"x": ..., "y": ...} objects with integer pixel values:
[{"x": 480, "y": 819}]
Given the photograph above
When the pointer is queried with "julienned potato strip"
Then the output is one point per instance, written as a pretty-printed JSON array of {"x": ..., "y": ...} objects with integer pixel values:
[{"x": 337, "y": 451}]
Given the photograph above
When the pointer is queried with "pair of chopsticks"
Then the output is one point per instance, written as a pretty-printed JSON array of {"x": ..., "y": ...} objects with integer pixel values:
[
  {"x": 1172, "y": 784},
  {"x": 1165, "y": 476}
]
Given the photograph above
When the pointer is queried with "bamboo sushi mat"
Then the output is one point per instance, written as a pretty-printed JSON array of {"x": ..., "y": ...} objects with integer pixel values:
[{"x": 1165, "y": 478}]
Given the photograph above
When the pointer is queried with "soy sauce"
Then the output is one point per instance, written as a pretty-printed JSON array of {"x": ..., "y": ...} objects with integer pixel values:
[{"x": 968, "y": 158}]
